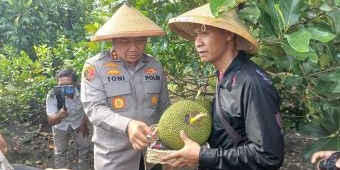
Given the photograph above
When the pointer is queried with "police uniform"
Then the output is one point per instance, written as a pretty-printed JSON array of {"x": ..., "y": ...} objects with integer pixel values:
[
  {"x": 66, "y": 128},
  {"x": 112, "y": 95}
]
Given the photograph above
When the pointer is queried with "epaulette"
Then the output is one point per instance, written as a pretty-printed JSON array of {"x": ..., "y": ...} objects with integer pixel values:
[{"x": 98, "y": 56}]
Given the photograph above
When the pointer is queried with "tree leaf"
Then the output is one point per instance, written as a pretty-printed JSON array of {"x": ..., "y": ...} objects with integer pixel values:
[
  {"x": 217, "y": 5},
  {"x": 299, "y": 40},
  {"x": 320, "y": 35},
  {"x": 250, "y": 13},
  {"x": 291, "y": 11},
  {"x": 328, "y": 143},
  {"x": 299, "y": 55},
  {"x": 335, "y": 15},
  {"x": 324, "y": 60}
]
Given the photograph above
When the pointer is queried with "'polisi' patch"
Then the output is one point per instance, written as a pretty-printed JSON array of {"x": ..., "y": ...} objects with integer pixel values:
[
  {"x": 150, "y": 70},
  {"x": 114, "y": 72},
  {"x": 264, "y": 76},
  {"x": 89, "y": 72},
  {"x": 111, "y": 64},
  {"x": 118, "y": 102}
]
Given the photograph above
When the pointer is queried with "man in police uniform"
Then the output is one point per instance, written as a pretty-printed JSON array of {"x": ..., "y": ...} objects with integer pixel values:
[
  {"x": 247, "y": 131},
  {"x": 123, "y": 91}
]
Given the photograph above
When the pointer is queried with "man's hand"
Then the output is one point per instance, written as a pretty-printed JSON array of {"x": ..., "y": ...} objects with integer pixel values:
[
  {"x": 62, "y": 113},
  {"x": 321, "y": 155},
  {"x": 137, "y": 132},
  {"x": 83, "y": 128},
  {"x": 187, "y": 156}
]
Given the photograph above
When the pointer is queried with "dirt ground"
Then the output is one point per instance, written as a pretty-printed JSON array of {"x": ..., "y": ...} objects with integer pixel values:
[{"x": 32, "y": 145}]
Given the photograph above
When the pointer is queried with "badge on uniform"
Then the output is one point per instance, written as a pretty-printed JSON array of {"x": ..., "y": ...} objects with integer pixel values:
[
  {"x": 154, "y": 100},
  {"x": 89, "y": 72},
  {"x": 114, "y": 72},
  {"x": 111, "y": 64},
  {"x": 150, "y": 70},
  {"x": 118, "y": 102}
]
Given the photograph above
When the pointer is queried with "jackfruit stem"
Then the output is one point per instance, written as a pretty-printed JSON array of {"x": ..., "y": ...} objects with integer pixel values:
[{"x": 197, "y": 118}]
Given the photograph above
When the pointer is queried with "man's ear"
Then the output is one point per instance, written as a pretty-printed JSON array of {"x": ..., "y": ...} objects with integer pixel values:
[{"x": 229, "y": 35}]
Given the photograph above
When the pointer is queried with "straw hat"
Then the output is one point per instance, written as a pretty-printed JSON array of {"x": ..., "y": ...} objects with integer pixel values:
[
  {"x": 183, "y": 25},
  {"x": 127, "y": 22}
]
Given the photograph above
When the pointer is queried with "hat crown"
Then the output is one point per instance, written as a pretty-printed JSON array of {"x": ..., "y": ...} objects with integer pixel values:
[
  {"x": 229, "y": 21},
  {"x": 127, "y": 22}
]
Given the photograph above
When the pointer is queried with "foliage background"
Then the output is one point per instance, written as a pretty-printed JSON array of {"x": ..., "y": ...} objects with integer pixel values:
[{"x": 299, "y": 48}]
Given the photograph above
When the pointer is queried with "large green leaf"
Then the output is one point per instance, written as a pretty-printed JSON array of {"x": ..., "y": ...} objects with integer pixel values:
[
  {"x": 299, "y": 40},
  {"x": 270, "y": 18},
  {"x": 333, "y": 81},
  {"x": 320, "y": 34},
  {"x": 328, "y": 143},
  {"x": 299, "y": 55},
  {"x": 291, "y": 11},
  {"x": 216, "y": 6},
  {"x": 250, "y": 13},
  {"x": 335, "y": 15},
  {"x": 330, "y": 120}
]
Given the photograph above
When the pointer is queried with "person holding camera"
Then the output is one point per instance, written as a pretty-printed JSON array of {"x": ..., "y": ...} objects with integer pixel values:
[
  {"x": 66, "y": 115},
  {"x": 329, "y": 160},
  {"x": 124, "y": 91}
]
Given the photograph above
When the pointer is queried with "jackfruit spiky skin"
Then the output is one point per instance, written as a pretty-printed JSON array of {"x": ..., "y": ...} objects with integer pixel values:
[{"x": 177, "y": 118}]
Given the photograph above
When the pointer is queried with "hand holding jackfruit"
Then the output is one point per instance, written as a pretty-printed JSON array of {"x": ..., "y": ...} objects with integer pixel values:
[{"x": 185, "y": 115}]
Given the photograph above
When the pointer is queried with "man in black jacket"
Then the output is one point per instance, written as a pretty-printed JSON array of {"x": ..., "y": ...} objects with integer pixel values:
[{"x": 247, "y": 132}]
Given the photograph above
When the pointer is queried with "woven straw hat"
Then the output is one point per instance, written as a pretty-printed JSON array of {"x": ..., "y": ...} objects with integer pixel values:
[
  {"x": 183, "y": 25},
  {"x": 127, "y": 22}
]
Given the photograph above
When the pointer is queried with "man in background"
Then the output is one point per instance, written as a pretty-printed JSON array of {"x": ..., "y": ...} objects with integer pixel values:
[{"x": 66, "y": 115}]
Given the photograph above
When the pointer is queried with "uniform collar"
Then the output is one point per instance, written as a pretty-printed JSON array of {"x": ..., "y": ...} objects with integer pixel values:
[{"x": 234, "y": 66}]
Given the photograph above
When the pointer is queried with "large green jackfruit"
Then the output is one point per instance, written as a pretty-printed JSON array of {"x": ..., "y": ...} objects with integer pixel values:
[{"x": 185, "y": 115}]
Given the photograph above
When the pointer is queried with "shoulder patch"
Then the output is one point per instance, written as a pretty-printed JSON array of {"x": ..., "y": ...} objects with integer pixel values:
[{"x": 89, "y": 72}]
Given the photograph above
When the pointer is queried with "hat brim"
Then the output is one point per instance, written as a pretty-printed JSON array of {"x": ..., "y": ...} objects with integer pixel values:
[
  {"x": 183, "y": 25},
  {"x": 109, "y": 37}
]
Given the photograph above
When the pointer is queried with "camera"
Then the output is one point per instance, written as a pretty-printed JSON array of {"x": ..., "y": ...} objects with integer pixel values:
[
  {"x": 329, "y": 163},
  {"x": 63, "y": 90}
]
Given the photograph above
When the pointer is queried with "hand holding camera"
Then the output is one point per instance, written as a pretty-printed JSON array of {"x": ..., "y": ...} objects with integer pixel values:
[
  {"x": 330, "y": 160},
  {"x": 60, "y": 92},
  {"x": 62, "y": 113},
  {"x": 329, "y": 163}
]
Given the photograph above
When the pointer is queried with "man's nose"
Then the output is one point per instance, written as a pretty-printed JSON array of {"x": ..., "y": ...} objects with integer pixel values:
[{"x": 198, "y": 41}]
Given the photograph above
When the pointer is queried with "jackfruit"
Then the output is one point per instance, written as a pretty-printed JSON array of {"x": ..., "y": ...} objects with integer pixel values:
[
  {"x": 205, "y": 103},
  {"x": 185, "y": 115}
]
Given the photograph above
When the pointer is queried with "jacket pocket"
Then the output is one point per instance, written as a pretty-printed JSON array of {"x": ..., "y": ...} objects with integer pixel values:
[
  {"x": 153, "y": 90},
  {"x": 118, "y": 96}
]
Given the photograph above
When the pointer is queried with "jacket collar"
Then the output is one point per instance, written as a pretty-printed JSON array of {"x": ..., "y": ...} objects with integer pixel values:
[{"x": 233, "y": 68}]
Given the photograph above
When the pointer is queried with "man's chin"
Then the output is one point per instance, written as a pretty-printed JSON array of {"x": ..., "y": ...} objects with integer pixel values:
[{"x": 204, "y": 59}]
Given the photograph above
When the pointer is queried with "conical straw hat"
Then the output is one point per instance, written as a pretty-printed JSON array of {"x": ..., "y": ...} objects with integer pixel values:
[
  {"x": 127, "y": 22},
  {"x": 183, "y": 25}
]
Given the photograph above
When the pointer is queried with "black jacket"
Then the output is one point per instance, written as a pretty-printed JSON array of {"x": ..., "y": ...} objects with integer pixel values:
[{"x": 251, "y": 105}]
